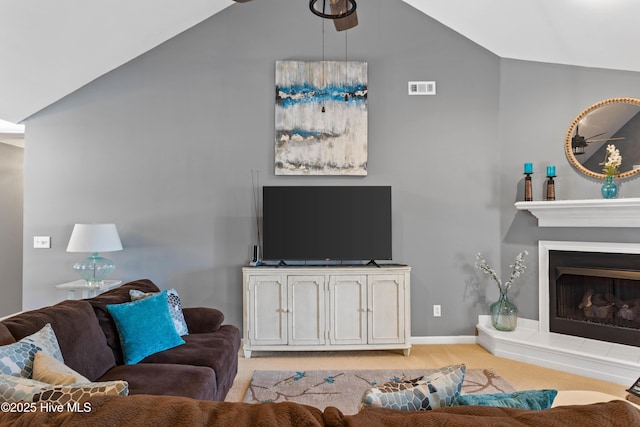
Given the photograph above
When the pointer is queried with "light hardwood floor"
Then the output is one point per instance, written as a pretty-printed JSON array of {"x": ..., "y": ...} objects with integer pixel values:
[{"x": 521, "y": 375}]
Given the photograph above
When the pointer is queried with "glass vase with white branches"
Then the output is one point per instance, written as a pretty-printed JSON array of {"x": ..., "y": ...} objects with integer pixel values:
[{"x": 504, "y": 314}]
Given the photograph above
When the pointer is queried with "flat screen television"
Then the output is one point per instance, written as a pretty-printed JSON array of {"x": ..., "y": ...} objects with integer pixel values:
[{"x": 331, "y": 223}]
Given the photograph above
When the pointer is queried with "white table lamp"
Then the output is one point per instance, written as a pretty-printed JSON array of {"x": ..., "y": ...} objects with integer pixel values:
[{"x": 94, "y": 238}]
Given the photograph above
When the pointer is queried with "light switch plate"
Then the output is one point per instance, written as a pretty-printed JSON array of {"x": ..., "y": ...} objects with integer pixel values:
[{"x": 42, "y": 242}]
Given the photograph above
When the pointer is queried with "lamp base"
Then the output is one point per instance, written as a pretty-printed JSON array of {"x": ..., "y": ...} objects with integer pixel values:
[{"x": 94, "y": 269}]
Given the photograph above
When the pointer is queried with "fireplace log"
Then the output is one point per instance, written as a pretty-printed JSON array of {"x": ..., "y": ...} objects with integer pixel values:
[
  {"x": 628, "y": 310},
  {"x": 629, "y": 303},
  {"x": 627, "y": 313},
  {"x": 586, "y": 299},
  {"x": 599, "y": 312},
  {"x": 596, "y": 305},
  {"x": 602, "y": 300},
  {"x": 599, "y": 300}
]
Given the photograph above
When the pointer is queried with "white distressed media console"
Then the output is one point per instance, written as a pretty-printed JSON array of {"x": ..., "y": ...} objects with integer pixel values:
[{"x": 315, "y": 308}]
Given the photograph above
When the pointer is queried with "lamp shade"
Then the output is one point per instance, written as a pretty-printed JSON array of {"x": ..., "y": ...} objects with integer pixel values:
[{"x": 94, "y": 238}]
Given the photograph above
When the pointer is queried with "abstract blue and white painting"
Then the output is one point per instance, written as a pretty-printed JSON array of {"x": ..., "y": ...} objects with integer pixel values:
[{"x": 321, "y": 118}]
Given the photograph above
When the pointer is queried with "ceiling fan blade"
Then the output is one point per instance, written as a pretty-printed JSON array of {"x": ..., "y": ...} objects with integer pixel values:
[
  {"x": 606, "y": 139},
  {"x": 593, "y": 136},
  {"x": 346, "y": 23}
]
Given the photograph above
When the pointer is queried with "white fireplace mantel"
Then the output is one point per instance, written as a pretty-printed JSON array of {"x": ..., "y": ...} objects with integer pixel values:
[{"x": 585, "y": 213}]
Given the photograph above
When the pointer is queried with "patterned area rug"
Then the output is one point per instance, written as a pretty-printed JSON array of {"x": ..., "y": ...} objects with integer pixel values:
[{"x": 344, "y": 389}]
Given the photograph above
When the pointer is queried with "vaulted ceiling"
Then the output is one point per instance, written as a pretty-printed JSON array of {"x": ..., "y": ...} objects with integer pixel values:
[{"x": 52, "y": 48}]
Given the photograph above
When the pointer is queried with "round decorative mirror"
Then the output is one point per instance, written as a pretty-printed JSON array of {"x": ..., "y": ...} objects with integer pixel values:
[{"x": 613, "y": 121}]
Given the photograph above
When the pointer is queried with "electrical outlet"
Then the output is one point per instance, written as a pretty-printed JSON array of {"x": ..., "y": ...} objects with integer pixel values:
[
  {"x": 42, "y": 242},
  {"x": 437, "y": 310}
]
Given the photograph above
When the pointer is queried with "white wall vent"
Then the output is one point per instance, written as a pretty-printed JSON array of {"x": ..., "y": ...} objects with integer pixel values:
[{"x": 422, "y": 88}]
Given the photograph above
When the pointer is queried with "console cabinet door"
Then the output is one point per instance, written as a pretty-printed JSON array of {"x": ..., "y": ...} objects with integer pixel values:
[
  {"x": 306, "y": 302},
  {"x": 385, "y": 309},
  {"x": 267, "y": 310},
  {"x": 348, "y": 309}
]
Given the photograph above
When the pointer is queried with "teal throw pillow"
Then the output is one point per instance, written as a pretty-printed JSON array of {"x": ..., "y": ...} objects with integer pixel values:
[
  {"x": 145, "y": 327},
  {"x": 528, "y": 399},
  {"x": 175, "y": 308}
]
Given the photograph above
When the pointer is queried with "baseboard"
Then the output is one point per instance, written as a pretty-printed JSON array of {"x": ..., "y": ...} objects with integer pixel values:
[{"x": 457, "y": 339}]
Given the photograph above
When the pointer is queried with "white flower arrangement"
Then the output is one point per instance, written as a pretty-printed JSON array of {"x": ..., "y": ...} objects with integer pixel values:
[
  {"x": 516, "y": 270},
  {"x": 612, "y": 161}
]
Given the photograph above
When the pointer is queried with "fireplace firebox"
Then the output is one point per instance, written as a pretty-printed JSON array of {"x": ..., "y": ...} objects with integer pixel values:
[{"x": 595, "y": 295}]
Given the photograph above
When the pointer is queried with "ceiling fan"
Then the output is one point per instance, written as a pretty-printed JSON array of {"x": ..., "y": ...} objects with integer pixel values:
[
  {"x": 341, "y": 12},
  {"x": 579, "y": 143}
]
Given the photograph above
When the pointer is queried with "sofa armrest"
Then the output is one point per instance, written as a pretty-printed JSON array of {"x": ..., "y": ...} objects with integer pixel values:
[
  {"x": 5, "y": 335},
  {"x": 202, "y": 319}
]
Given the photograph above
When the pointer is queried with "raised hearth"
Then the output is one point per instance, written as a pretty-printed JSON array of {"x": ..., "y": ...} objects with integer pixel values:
[
  {"x": 616, "y": 363},
  {"x": 533, "y": 342}
]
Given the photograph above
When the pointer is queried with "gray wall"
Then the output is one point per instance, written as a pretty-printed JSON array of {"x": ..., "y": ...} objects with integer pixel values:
[
  {"x": 11, "y": 190},
  {"x": 164, "y": 147}
]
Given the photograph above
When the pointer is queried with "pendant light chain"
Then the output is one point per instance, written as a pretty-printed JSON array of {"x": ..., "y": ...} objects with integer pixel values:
[
  {"x": 346, "y": 64},
  {"x": 323, "y": 66},
  {"x": 346, "y": 45}
]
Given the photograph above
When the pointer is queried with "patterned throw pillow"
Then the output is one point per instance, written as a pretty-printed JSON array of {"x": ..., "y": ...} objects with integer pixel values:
[
  {"x": 17, "y": 358},
  {"x": 50, "y": 370},
  {"x": 175, "y": 308},
  {"x": 145, "y": 327},
  {"x": 46, "y": 339},
  {"x": 435, "y": 390},
  {"x": 16, "y": 389}
]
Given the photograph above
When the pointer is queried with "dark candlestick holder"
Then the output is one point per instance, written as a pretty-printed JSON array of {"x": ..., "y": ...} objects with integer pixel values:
[
  {"x": 551, "y": 188},
  {"x": 528, "y": 188}
]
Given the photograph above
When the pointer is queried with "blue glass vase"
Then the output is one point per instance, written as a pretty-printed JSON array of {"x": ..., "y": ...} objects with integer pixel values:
[
  {"x": 504, "y": 314},
  {"x": 609, "y": 188}
]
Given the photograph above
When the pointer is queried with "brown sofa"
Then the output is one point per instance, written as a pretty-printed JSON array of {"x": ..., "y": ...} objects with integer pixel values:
[
  {"x": 161, "y": 411},
  {"x": 202, "y": 368}
]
